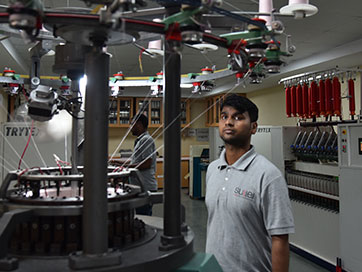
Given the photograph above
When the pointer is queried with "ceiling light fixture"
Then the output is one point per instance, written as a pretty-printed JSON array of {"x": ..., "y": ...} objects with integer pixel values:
[
  {"x": 204, "y": 47},
  {"x": 186, "y": 85},
  {"x": 266, "y": 6},
  {"x": 299, "y": 9}
]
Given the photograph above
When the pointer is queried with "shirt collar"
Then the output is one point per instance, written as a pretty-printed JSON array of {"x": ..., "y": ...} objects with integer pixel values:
[
  {"x": 242, "y": 163},
  {"x": 140, "y": 137},
  {"x": 143, "y": 134}
]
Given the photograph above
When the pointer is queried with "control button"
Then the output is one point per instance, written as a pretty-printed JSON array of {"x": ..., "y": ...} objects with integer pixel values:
[{"x": 344, "y": 132}]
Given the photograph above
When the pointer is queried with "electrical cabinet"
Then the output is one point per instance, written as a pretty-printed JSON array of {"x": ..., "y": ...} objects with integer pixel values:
[
  {"x": 312, "y": 179},
  {"x": 350, "y": 193},
  {"x": 195, "y": 153}
]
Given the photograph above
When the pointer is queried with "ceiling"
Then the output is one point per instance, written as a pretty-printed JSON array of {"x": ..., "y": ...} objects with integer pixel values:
[{"x": 331, "y": 37}]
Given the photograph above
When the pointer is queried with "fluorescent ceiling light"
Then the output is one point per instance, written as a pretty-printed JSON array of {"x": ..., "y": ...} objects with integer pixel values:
[{"x": 186, "y": 85}]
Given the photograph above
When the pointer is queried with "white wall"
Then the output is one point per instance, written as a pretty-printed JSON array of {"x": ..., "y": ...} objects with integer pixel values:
[{"x": 3, "y": 106}]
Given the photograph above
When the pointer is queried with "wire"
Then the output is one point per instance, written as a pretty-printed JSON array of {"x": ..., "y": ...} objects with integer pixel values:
[
  {"x": 74, "y": 116},
  {"x": 25, "y": 94},
  {"x": 231, "y": 5},
  {"x": 118, "y": 169},
  {"x": 145, "y": 101},
  {"x": 64, "y": 162},
  {"x": 60, "y": 167},
  {"x": 26, "y": 170},
  {"x": 27, "y": 144},
  {"x": 57, "y": 160},
  {"x": 238, "y": 17},
  {"x": 75, "y": 100},
  {"x": 188, "y": 125}
]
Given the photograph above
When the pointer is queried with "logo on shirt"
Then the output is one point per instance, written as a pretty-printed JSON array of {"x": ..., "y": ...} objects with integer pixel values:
[{"x": 243, "y": 193}]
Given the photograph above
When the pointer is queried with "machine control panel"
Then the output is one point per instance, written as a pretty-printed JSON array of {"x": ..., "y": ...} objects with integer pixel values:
[{"x": 350, "y": 145}]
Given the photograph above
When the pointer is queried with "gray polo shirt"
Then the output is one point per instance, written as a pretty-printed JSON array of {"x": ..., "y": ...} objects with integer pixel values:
[
  {"x": 247, "y": 202},
  {"x": 144, "y": 149}
]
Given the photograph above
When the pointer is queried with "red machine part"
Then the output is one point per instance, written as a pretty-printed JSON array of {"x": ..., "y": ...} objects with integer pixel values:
[
  {"x": 352, "y": 103},
  {"x": 310, "y": 101},
  {"x": 173, "y": 33},
  {"x": 239, "y": 75},
  {"x": 299, "y": 100},
  {"x": 314, "y": 109},
  {"x": 336, "y": 88},
  {"x": 328, "y": 97},
  {"x": 8, "y": 72},
  {"x": 305, "y": 100},
  {"x": 288, "y": 101},
  {"x": 293, "y": 100},
  {"x": 322, "y": 101},
  {"x": 119, "y": 76},
  {"x": 206, "y": 69},
  {"x": 236, "y": 46}
]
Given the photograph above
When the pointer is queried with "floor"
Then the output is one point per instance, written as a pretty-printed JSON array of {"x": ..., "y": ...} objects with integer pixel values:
[{"x": 196, "y": 218}]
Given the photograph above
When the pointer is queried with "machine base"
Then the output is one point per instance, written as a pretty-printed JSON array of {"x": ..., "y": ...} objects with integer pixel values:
[{"x": 146, "y": 257}]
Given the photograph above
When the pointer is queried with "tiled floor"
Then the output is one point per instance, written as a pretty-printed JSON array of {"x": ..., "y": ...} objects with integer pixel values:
[{"x": 196, "y": 217}]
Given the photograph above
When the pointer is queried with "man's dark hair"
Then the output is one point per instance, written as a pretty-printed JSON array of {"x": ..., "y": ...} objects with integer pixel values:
[
  {"x": 241, "y": 104},
  {"x": 143, "y": 119}
]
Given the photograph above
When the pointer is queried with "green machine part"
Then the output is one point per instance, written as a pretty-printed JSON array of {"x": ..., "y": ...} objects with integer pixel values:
[
  {"x": 258, "y": 69},
  {"x": 251, "y": 36},
  {"x": 183, "y": 18},
  {"x": 201, "y": 262},
  {"x": 274, "y": 54}
]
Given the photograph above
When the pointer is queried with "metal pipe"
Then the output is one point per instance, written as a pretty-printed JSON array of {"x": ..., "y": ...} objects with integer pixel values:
[
  {"x": 172, "y": 237},
  {"x": 326, "y": 123},
  {"x": 172, "y": 161},
  {"x": 95, "y": 215},
  {"x": 74, "y": 157},
  {"x": 360, "y": 97},
  {"x": 314, "y": 74}
]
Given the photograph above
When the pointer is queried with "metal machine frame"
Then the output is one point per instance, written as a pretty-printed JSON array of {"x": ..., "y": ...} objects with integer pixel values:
[{"x": 86, "y": 35}]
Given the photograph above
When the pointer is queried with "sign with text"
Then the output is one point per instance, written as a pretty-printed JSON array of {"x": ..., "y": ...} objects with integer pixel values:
[{"x": 202, "y": 134}]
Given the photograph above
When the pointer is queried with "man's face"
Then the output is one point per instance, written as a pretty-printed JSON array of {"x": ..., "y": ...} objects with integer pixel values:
[
  {"x": 235, "y": 128},
  {"x": 136, "y": 128}
]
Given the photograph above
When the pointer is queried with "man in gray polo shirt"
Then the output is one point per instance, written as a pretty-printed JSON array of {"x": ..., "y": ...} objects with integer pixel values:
[
  {"x": 144, "y": 158},
  {"x": 247, "y": 198}
]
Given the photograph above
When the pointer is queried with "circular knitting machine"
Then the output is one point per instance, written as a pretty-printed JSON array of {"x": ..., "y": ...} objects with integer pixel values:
[{"x": 82, "y": 218}]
